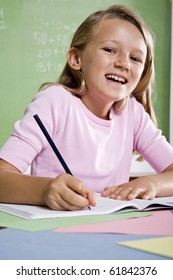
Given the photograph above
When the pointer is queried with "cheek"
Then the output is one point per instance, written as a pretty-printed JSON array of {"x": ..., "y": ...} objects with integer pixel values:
[
  {"x": 136, "y": 79},
  {"x": 91, "y": 67},
  {"x": 138, "y": 75}
]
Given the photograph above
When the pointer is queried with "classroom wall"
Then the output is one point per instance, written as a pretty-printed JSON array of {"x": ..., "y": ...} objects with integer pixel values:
[{"x": 35, "y": 36}]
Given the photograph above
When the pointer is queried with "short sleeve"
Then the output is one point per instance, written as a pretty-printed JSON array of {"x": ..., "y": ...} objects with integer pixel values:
[
  {"x": 27, "y": 139},
  {"x": 149, "y": 141}
]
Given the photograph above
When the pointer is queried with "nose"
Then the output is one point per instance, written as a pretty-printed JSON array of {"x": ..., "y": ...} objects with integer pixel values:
[{"x": 122, "y": 61}]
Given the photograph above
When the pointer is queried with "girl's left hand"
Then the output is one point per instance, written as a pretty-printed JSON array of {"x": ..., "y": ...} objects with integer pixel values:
[{"x": 142, "y": 187}]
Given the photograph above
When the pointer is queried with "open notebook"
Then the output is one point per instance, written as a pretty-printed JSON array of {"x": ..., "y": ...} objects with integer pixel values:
[{"x": 104, "y": 206}]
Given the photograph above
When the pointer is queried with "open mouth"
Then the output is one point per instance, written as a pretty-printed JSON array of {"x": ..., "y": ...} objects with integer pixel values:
[{"x": 116, "y": 79}]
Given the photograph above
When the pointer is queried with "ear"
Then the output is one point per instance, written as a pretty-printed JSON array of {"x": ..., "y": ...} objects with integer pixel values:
[{"x": 73, "y": 59}]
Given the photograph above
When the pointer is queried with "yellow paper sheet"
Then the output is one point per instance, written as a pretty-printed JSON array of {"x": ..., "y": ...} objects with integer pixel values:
[{"x": 160, "y": 246}]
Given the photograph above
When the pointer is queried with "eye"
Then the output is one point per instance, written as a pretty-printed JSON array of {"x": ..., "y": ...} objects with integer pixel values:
[
  {"x": 137, "y": 59},
  {"x": 110, "y": 50}
]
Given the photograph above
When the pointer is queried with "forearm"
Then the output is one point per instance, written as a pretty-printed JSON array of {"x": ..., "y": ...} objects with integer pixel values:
[
  {"x": 19, "y": 188},
  {"x": 163, "y": 183}
]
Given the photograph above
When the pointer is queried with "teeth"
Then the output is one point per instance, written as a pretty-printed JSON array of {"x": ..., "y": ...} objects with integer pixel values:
[{"x": 116, "y": 78}]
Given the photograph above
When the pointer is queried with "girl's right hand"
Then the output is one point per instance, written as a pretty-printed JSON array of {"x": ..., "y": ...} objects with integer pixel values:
[{"x": 66, "y": 192}]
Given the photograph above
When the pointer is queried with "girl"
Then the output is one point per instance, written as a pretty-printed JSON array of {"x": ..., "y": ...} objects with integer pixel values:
[{"x": 98, "y": 112}]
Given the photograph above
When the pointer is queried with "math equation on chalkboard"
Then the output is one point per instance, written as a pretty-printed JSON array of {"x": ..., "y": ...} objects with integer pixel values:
[
  {"x": 3, "y": 24},
  {"x": 51, "y": 46}
]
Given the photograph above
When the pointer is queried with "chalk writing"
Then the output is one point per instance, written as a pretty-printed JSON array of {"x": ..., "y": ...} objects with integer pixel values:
[
  {"x": 2, "y": 19},
  {"x": 52, "y": 39}
]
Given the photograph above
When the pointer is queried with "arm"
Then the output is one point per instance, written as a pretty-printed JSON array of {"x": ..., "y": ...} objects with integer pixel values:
[
  {"x": 146, "y": 187},
  {"x": 62, "y": 192}
]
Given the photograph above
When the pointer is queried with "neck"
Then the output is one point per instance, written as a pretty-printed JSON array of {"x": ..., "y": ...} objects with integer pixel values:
[{"x": 100, "y": 110}]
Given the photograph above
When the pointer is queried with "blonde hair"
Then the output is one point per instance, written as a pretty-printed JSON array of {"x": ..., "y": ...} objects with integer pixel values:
[{"x": 73, "y": 80}]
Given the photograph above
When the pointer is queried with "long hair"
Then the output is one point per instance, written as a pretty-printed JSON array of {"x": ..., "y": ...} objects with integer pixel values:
[{"x": 73, "y": 80}]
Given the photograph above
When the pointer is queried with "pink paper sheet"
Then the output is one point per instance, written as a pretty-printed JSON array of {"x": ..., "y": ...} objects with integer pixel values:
[{"x": 159, "y": 223}]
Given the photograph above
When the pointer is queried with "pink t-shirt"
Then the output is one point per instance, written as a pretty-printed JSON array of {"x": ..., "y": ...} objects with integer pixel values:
[{"x": 97, "y": 151}]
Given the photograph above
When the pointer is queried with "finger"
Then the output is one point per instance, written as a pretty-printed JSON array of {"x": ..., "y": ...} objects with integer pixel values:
[
  {"x": 63, "y": 206},
  {"x": 56, "y": 202},
  {"x": 121, "y": 193},
  {"x": 108, "y": 191},
  {"x": 148, "y": 195},
  {"x": 66, "y": 205},
  {"x": 59, "y": 191},
  {"x": 74, "y": 184},
  {"x": 68, "y": 194},
  {"x": 78, "y": 186},
  {"x": 71, "y": 189},
  {"x": 91, "y": 196},
  {"x": 139, "y": 193}
]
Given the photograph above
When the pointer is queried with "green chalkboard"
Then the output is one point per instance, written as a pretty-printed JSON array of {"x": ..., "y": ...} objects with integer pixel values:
[{"x": 34, "y": 39}]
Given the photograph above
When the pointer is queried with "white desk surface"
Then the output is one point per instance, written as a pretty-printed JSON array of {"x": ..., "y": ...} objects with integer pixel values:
[{"x": 140, "y": 168}]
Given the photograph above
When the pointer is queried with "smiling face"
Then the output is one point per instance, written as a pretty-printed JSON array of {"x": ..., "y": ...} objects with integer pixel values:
[{"x": 112, "y": 64}]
